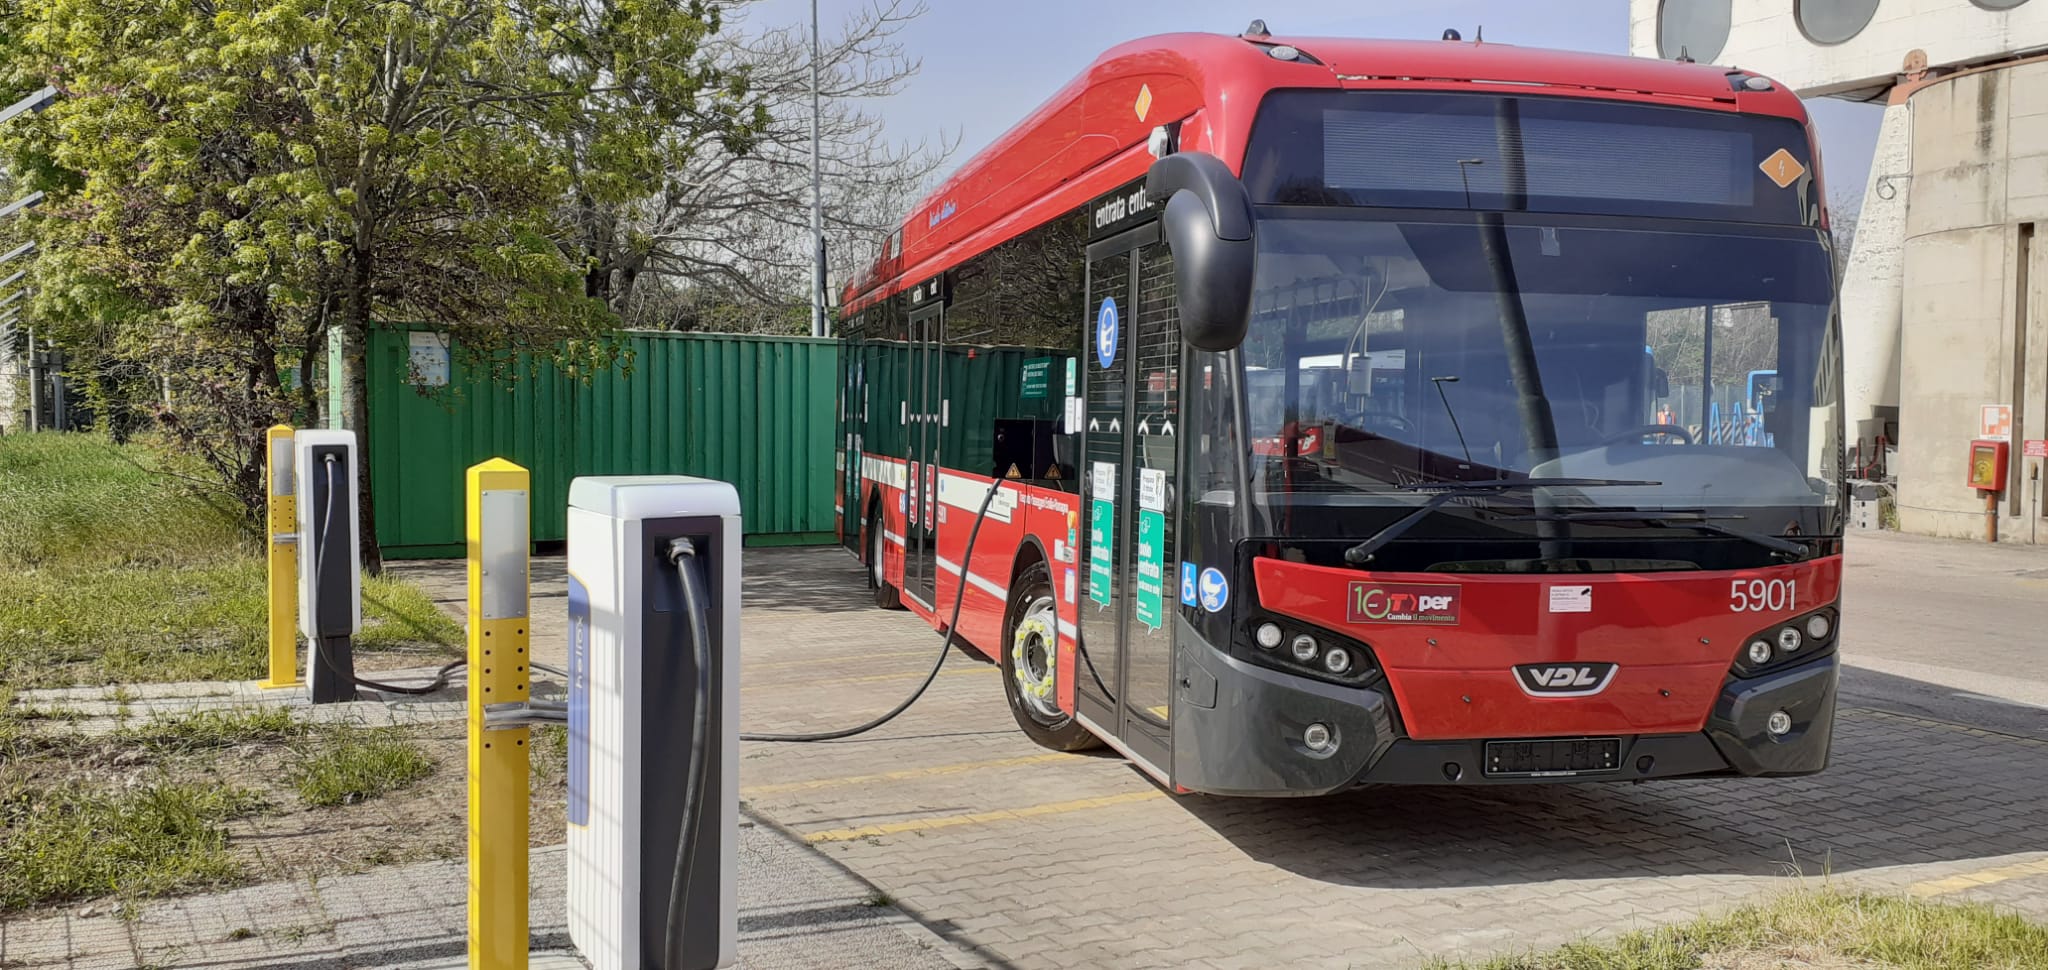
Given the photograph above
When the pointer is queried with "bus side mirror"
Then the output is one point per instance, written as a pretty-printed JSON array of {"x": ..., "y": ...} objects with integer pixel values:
[
  {"x": 1662, "y": 382},
  {"x": 1208, "y": 225}
]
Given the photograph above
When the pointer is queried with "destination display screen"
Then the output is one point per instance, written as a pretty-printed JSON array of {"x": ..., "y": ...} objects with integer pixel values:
[{"x": 1533, "y": 154}]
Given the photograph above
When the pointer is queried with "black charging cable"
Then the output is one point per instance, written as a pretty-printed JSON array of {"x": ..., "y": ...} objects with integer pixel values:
[
  {"x": 682, "y": 553},
  {"x": 945, "y": 646},
  {"x": 441, "y": 677}
]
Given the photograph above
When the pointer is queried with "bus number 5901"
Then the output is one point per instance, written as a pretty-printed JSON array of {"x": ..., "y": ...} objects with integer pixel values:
[{"x": 1756, "y": 595}]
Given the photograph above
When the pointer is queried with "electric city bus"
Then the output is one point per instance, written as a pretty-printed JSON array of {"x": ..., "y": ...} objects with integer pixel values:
[{"x": 1294, "y": 394}]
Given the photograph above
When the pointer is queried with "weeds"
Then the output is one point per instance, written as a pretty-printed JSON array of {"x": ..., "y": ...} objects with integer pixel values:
[
  {"x": 71, "y": 842},
  {"x": 353, "y": 767},
  {"x": 212, "y": 730},
  {"x": 1824, "y": 927}
]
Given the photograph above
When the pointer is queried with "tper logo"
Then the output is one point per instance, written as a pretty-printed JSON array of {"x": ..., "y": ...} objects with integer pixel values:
[
  {"x": 1564, "y": 679},
  {"x": 1402, "y": 603}
]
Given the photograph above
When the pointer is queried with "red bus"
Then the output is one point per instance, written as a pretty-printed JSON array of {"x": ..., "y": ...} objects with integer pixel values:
[{"x": 1343, "y": 403}]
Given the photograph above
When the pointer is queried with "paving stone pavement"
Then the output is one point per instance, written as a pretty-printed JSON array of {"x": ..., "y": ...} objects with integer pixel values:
[{"x": 797, "y": 912}]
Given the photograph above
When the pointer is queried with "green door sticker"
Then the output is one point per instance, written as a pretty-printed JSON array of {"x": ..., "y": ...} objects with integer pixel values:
[
  {"x": 1151, "y": 602},
  {"x": 1101, "y": 529}
]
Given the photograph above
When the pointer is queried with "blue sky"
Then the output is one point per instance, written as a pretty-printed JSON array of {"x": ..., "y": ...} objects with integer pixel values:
[{"x": 986, "y": 64}]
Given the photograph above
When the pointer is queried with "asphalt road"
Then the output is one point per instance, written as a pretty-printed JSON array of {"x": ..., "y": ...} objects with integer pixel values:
[{"x": 1947, "y": 630}]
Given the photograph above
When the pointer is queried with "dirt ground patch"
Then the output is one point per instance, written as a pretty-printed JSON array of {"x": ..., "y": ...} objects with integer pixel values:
[{"x": 283, "y": 836}]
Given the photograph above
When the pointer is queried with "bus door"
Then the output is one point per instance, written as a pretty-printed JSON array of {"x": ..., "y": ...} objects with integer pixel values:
[
  {"x": 927, "y": 412},
  {"x": 1130, "y": 584}
]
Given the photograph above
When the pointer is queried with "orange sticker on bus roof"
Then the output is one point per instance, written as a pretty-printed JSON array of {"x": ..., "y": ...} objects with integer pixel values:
[
  {"x": 1144, "y": 104},
  {"x": 1782, "y": 168}
]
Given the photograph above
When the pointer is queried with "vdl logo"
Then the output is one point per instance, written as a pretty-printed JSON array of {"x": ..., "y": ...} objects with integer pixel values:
[{"x": 1564, "y": 680}]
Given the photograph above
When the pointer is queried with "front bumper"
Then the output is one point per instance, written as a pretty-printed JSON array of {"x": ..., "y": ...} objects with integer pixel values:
[{"x": 1238, "y": 731}]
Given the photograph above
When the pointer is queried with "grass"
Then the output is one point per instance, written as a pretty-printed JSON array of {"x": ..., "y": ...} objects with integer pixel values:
[
  {"x": 1822, "y": 928},
  {"x": 360, "y": 765},
  {"x": 75, "y": 842},
  {"x": 110, "y": 575},
  {"x": 213, "y": 730}
]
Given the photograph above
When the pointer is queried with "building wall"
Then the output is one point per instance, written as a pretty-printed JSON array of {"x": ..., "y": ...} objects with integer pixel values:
[
  {"x": 1765, "y": 36},
  {"x": 1871, "y": 290},
  {"x": 1974, "y": 314}
]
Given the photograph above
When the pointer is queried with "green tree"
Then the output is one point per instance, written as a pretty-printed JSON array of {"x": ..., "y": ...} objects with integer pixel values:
[{"x": 236, "y": 179}]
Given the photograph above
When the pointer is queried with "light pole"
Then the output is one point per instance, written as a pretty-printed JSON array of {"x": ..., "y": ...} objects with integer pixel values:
[{"x": 817, "y": 196}]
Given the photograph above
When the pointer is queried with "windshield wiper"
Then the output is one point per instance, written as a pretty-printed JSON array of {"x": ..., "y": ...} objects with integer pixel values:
[
  {"x": 1689, "y": 518},
  {"x": 1362, "y": 553}
]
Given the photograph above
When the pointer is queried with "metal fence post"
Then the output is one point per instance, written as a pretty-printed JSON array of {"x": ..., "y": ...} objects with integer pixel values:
[
  {"x": 280, "y": 517},
  {"x": 498, "y": 526}
]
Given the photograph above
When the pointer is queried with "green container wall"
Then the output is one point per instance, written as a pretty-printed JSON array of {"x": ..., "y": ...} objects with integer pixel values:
[{"x": 754, "y": 411}]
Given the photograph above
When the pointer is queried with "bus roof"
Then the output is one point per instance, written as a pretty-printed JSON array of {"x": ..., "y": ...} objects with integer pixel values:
[{"x": 1091, "y": 135}]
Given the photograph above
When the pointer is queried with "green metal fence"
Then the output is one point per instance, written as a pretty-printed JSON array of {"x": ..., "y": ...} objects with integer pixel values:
[{"x": 754, "y": 411}]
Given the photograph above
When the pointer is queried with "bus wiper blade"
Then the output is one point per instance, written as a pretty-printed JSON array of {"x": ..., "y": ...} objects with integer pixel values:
[
  {"x": 1362, "y": 553},
  {"x": 1690, "y": 518},
  {"x": 1506, "y": 484}
]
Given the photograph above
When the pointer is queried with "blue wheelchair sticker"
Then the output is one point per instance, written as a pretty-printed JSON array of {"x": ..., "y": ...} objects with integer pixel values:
[
  {"x": 1187, "y": 584},
  {"x": 1105, "y": 332},
  {"x": 1215, "y": 592}
]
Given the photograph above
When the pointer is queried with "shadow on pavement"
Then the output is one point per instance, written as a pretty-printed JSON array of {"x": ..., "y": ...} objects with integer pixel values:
[
  {"x": 1902, "y": 789},
  {"x": 805, "y": 579}
]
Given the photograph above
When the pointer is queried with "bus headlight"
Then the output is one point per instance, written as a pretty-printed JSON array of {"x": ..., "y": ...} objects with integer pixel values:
[
  {"x": 1759, "y": 652},
  {"x": 1789, "y": 639},
  {"x": 1268, "y": 635},
  {"x": 1304, "y": 647},
  {"x": 1818, "y": 626},
  {"x": 1318, "y": 738},
  {"x": 1337, "y": 661},
  {"x": 1778, "y": 724}
]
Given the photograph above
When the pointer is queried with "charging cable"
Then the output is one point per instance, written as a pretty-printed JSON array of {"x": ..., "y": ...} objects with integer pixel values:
[
  {"x": 682, "y": 554},
  {"x": 945, "y": 646}
]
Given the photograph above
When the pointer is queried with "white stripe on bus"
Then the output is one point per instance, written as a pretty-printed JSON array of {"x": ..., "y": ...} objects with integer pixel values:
[
  {"x": 991, "y": 588},
  {"x": 895, "y": 538}
]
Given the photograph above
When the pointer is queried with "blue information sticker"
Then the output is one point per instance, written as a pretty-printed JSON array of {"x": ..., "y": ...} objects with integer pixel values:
[
  {"x": 579, "y": 702},
  {"x": 1187, "y": 584},
  {"x": 1105, "y": 332},
  {"x": 1215, "y": 591}
]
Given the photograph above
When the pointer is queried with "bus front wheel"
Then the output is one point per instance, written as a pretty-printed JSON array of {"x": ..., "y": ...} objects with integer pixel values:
[{"x": 1030, "y": 670}]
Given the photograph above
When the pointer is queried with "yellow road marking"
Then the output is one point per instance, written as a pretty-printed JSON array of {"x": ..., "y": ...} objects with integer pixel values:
[
  {"x": 976, "y": 818},
  {"x": 1982, "y": 877},
  {"x": 908, "y": 773},
  {"x": 869, "y": 678}
]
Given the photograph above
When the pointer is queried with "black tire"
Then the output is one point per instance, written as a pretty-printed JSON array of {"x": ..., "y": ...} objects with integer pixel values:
[
  {"x": 886, "y": 596},
  {"x": 1029, "y": 594}
]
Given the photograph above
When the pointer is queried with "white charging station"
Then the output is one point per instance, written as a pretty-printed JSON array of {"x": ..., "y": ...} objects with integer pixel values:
[
  {"x": 631, "y": 703},
  {"x": 330, "y": 585}
]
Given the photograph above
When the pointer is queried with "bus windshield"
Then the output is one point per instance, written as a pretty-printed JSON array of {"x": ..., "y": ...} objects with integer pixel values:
[{"x": 1383, "y": 348}]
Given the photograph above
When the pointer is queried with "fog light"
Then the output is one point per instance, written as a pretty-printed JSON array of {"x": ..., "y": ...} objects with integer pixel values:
[
  {"x": 1778, "y": 724},
  {"x": 1789, "y": 639},
  {"x": 1759, "y": 652},
  {"x": 1304, "y": 648},
  {"x": 1268, "y": 635},
  {"x": 1818, "y": 627},
  {"x": 1337, "y": 661},
  {"x": 1317, "y": 737}
]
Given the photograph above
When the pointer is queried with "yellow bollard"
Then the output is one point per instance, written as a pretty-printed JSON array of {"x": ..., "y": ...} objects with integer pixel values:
[
  {"x": 280, "y": 513},
  {"x": 498, "y": 496}
]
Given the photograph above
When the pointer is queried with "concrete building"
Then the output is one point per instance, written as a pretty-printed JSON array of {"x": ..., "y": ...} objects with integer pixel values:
[{"x": 1945, "y": 298}]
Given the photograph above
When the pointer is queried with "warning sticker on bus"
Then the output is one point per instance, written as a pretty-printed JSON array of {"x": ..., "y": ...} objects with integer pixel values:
[{"x": 1403, "y": 603}]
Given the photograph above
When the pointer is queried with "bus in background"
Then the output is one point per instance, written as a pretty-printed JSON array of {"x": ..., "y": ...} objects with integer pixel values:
[{"x": 1299, "y": 390}]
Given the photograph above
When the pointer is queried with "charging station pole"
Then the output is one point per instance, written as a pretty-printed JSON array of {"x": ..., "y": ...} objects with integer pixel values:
[
  {"x": 498, "y": 528},
  {"x": 654, "y": 585},
  {"x": 280, "y": 518},
  {"x": 330, "y": 581}
]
